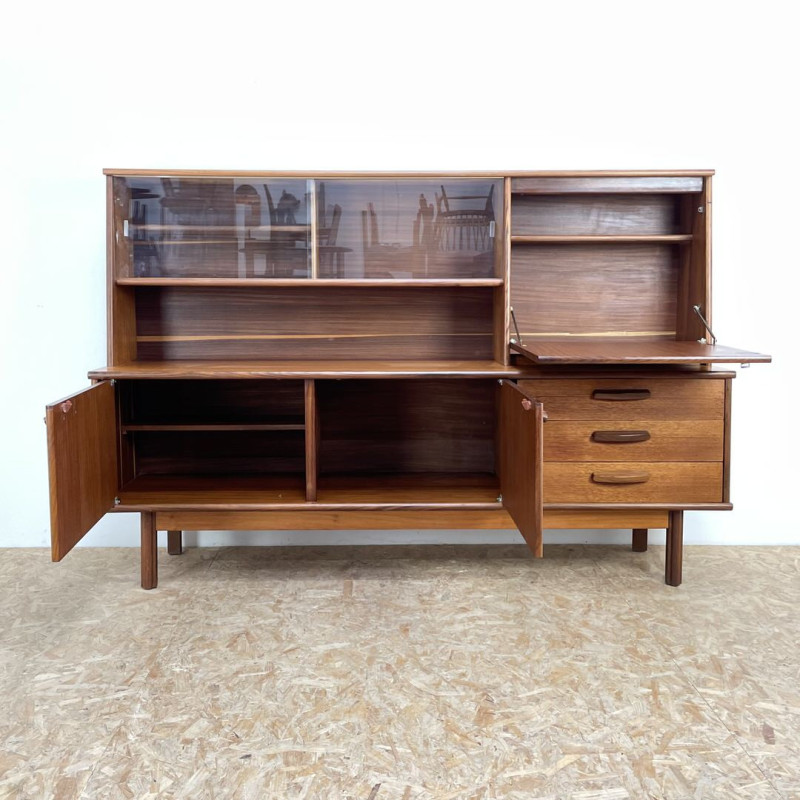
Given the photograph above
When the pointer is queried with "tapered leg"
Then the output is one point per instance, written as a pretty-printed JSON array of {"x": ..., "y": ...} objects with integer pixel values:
[
  {"x": 149, "y": 551},
  {"x": 175, "y": 542},
  {"x": 672, "y": 575},
  {"x": 639, "y": 540}
]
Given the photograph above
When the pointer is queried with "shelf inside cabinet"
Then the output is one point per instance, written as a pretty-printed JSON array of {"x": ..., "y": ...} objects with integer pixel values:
[
  {"x": 345, "y": 492},
  {"x": 212, "y": 490},
  {"x": 678, "y": 238},
  {"x": 628, "y": 350},
  {"x": 462, "y": 490},
  {"x": 387, "y": 283},
  {"x": 235, "y": 230},
  {"x": 213, "y": 427}
]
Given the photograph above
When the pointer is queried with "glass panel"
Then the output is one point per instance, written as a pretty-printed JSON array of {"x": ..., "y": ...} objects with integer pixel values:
[
  {"x": 397, "y": 229},
  {"x": 212, "y": 227}
]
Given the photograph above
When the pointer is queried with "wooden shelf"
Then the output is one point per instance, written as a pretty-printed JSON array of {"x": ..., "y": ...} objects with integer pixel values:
[
  {"x": 601, "y": 239},
  {"x": 305, "y": 369},
  {"x": 452, "y": 490},
  {"x": 631, "y": 351},
  {"x": 423, "y": 491},
  {"x": 219, "y": 491},
  {"x": 228, "y": 427},
  {"x": 238, "y": 230},
  {"x": 349, "y": 283},
  {"x": 181, "y": 242}
]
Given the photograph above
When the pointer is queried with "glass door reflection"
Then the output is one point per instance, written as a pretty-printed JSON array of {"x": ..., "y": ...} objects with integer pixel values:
[{"x": 407, "y": 229}]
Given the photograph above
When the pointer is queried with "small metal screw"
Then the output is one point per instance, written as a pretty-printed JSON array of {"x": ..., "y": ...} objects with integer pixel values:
[{"x": 700, "y": 210}]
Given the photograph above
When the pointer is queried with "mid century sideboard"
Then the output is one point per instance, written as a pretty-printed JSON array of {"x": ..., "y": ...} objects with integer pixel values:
[{"x": 340, "y": 351}]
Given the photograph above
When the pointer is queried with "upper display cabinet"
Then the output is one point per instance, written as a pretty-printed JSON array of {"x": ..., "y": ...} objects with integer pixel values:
[
  {"x": 187, "y": 227},
  {"x": 175, "y": 228}
]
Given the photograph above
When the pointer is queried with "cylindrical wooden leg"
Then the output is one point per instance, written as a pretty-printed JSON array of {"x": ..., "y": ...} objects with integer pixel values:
[
  {"x": 149, "y": 551},
  {"x": 672, "y": 574},
  {"x": 639, "y": 540},
  {"x": 175, "y": 542}
]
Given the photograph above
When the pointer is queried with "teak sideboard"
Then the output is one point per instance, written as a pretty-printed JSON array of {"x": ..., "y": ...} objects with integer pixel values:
[{"x": 376, "y": 351}]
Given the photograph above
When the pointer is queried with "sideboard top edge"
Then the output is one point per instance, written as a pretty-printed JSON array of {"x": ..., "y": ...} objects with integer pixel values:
[{"x": 227, "y": 173}]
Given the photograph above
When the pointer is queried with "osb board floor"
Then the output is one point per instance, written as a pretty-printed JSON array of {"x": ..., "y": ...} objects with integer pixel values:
[{"x": 401, "y": 672}]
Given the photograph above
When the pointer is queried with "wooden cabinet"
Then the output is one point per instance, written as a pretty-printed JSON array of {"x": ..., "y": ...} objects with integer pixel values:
[{"x": 293, "y": 351}]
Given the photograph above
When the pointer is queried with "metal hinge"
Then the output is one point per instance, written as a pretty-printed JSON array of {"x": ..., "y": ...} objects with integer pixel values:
[
  {"x": 516, "y": 327},
  {"x": 117, "y": 501},
  {"x": 699, "y": 313}
]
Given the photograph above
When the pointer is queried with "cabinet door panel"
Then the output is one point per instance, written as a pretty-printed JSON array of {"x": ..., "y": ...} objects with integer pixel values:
[
  {"x": 520, "y": 461},
  {"x": 82, "y": 457}
]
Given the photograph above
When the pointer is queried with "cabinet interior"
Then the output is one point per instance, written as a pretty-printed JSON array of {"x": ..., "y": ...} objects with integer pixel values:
[
  {"x": 350, "y": 441},
  {"x": 607, "y": 266}
]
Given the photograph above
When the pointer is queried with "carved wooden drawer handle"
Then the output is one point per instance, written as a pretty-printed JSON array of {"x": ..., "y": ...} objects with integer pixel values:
[
  {"x": 620, "y": 477},
  {"x": 620, "y": 437},
  {"x": 620, "y": 394}
]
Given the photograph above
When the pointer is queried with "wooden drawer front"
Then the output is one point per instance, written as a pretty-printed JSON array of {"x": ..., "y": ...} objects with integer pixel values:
[
  {"x": 577, "y": 482},
  {"x": 641, "y": 440},
  {"x": 636, "y": 398}
]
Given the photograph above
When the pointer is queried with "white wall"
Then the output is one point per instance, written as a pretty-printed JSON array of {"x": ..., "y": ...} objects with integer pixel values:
[{"x": 507, "y": 85}]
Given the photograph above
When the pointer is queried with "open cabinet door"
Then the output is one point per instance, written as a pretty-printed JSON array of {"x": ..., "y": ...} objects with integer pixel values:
[
  {"x": 82, "y": 456},
  {"x": 520, "y": 461},
  {"x": 632, "y": 351}
]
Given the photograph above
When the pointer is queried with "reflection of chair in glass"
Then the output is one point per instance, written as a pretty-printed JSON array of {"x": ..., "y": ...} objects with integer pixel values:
[
  {"x": 464, "y": 227},
  {"x": 331, "y": 256},
  {"x": 381, "y": 260},
  {"x": 374, "y": 254},
  {"x": 286, "y": 250},
  {"x": 423, "y": 236}
]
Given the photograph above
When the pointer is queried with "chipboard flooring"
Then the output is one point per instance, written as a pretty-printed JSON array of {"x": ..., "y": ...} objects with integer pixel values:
[{"x": 401, "y": 673}]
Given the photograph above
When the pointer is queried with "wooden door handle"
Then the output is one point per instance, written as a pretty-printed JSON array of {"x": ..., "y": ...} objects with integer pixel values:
[
  {"x": 620, "y": 394},
  {"x": 620, "y": 477},
  {"x": 620, "y": 437}
]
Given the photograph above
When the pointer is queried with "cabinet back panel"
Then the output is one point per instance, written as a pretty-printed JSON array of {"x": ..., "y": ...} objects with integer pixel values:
[
  {"x": 188, "y": 401},
  {"x": 219, "y": 452},
  {"x": 603, "y": 214},
  {"x": 595, "y": 289},
  {"x": 310, "y": 323},
  {"x": 406, "y": 426}
]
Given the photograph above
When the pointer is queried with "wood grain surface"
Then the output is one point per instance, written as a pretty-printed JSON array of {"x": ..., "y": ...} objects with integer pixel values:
[
  {"x": 520, "y": 461},
  {"x": 559, "y": 289},
  {"x": 605, "y": 184},
  {"x": 668, "y": 399},
  {"x": 82, "y": 459},
  {"x": 668, "y": 482},
  {"x": 305, "y": 368},
  {"x": 607, "y": 351},
  {"x": 327, "y": 323},
  {"x": 609, "y": 214},
  {"x": 670, "y": 440}
]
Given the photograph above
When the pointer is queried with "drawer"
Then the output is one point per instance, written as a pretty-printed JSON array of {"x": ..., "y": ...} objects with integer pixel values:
[
  {"x": 633, "y": 440},
  {"x": 635, "y": 398},
  {"x": 594, "y": 482}
]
